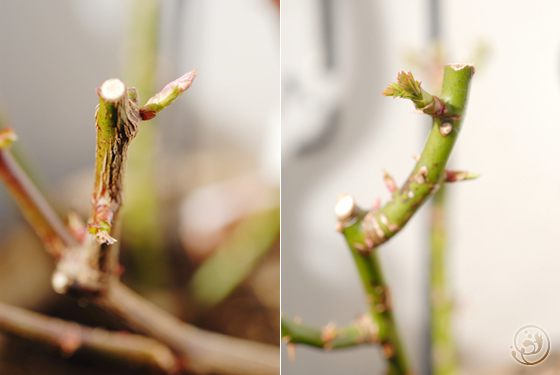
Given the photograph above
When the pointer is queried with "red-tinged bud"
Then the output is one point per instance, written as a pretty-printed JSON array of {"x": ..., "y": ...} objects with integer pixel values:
[
  {"x": 165, "y": 97},
  {"x": 453, "y": 176}
]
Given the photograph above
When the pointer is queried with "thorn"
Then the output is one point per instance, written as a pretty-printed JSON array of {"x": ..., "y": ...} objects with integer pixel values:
[
  {"x": 360, "y": 247},
  {"x": 371, "y": 329},
  {"x": 434, "y": 188},
  {"x": 388, "y": 350},
  {"x": 329, "y": 333},
  {"x": 387, "y": 298},
  {"x": 339, "y": 227},
  {"x": 453, "y": 176},
  {"x": 389, "y": 182},
  {"x": 364, "y": 250},
  {"x": 393, "y": 227},
  {"x": 410, "y": 194},
  {"x": 291, "y": 351},
  {"x": 417, "y": 157},
  {"x": 422, "y": 175}
]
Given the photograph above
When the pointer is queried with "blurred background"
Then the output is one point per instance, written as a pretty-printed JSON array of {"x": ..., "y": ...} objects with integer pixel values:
[
  {"x": 202, "y": 204},
  {"x": 338, "y": 133}
]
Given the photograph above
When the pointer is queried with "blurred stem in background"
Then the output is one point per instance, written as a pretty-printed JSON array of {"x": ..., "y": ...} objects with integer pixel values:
[
  {"x": 442, "y": 360},
  {"x": 236, "y": 257},
  {"x": 443, "y": 352},
  {"x": 142, "y": 224}
]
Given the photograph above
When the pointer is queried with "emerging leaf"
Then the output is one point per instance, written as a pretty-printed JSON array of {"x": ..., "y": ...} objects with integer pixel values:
[
  {"x": 409, "y": 88},
  {"x": 406, "y": 87}
]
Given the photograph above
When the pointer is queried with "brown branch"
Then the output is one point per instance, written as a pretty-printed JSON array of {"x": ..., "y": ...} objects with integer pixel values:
[
  {"x": 71, "y": 336},
  {"x": 202, "y": 352},
  {"x": 36, "y": 210}
]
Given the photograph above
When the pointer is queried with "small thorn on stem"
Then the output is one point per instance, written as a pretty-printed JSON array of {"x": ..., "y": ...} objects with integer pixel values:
[
  {"x": 417, "y": 157},
  {"x": 339, "y": 227},
  {"x": 388, "y": 350},
  {"x": 389, "y": 181},
  {"x": 364, "y": 250},
  {"x": 329, "y": 333},
  {"x": 291, "y": 347},
  {"x": 422, "y": 176}
]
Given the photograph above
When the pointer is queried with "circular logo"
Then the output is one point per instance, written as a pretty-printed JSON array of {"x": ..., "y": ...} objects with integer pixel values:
[{"x": 531, "y": 345}]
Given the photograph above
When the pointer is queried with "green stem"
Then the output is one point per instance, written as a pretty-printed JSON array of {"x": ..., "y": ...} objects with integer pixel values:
[
  {"x": 235, "y": 258},
  {"x": 429, "y": 172},
  {"x": 36, "y": 210},
  {"x": 330, "y": 337},
  {"x": 364, "y": 231},
  {"x": 142, "y": 225},
  {"x": 443, "y": 352},
  {"x": 117, "y": 120},
  {"x": 379, "y": 297}
]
